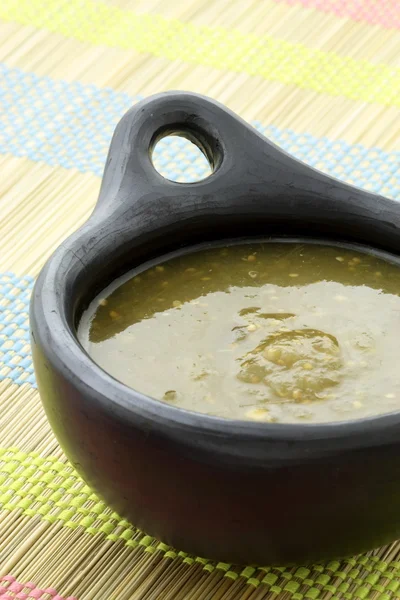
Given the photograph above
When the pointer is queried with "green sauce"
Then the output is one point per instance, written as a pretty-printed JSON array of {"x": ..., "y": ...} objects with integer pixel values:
[{"x": 274, "y": 332}]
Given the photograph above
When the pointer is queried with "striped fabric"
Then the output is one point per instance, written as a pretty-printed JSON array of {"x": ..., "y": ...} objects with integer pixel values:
[{"x": 321, "y": 79}]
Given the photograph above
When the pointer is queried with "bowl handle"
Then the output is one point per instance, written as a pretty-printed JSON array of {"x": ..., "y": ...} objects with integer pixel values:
[
  {"x": 129, "y": 172},
  {"x": 255, "y": 187}
]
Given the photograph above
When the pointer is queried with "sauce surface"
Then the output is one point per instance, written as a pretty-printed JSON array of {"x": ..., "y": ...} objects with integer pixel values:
[{"x": 274, "y": 332}]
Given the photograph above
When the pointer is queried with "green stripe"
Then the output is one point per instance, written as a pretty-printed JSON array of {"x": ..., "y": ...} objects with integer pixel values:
[
  {"x": 49, "y": 487},
  {"x": 267, "y": 57}
]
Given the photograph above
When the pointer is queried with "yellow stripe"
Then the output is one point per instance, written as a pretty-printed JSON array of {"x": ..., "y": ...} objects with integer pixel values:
[
  {"x": 266, "y": 57},
  {"x": 286, "y": 106}
]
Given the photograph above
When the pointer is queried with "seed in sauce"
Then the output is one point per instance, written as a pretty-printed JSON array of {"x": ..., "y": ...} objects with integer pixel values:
[
  {"x": 317, "y": 347},
  {"x": 307, "y": 366},
  {"x": 259, "y": 414},
  {"x": 170, "y": 395}
]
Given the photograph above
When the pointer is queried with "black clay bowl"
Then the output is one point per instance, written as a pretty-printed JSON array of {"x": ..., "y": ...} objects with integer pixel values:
[{"x": 231, "y": 490}]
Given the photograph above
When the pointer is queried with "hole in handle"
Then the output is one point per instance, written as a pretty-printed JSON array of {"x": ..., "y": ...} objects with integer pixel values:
[{"x": 185, "y": 154}]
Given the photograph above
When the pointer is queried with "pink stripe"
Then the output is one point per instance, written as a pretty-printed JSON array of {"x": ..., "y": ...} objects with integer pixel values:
[
  {"x": 375, "y": 12},
  {"x": 11, "y": 589}
]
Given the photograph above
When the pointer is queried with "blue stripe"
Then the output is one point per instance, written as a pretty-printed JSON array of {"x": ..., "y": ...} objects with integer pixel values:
[
  {"x": 70, "y": 125},
  {"x": 15, "y": 356}
]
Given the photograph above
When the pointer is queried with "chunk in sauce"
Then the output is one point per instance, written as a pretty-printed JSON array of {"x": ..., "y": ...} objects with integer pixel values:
[{"x": 273, "y": 332}]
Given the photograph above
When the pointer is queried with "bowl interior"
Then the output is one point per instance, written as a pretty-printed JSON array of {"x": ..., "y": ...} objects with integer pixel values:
[{"x": 88, "y": 307}]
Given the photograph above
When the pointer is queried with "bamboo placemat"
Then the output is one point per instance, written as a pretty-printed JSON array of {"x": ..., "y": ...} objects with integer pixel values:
[{"x": 321, "y": 78}]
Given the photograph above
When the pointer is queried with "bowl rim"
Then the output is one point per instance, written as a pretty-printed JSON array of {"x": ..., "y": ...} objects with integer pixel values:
[{"x": 66, "y": 354}]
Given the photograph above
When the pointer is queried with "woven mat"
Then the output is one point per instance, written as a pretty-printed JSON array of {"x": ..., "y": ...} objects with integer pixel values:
[{"x": 321, "y": 78}]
